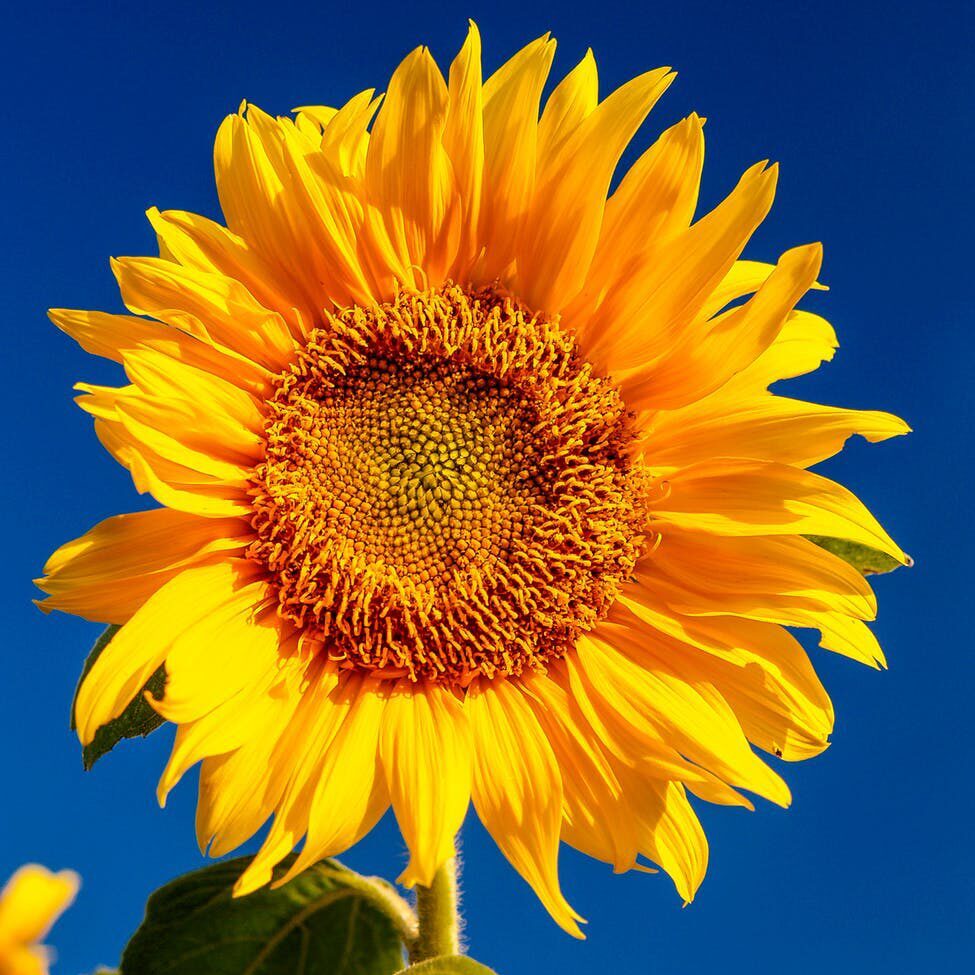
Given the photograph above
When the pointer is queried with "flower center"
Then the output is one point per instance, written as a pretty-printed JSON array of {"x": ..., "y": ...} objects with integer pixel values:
[{"x": 446, "y": 489}]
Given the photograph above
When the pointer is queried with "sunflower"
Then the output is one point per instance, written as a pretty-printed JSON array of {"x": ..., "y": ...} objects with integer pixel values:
[
  {"x": 472, "y": 486},
  {"x": 31, "y": 902}
]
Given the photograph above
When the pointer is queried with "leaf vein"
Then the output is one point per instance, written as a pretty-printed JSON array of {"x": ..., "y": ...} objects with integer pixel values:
[{"x": 326, "y": 900}]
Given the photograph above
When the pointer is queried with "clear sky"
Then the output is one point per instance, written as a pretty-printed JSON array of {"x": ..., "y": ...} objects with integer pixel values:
[{"x": 111, "y": 107}]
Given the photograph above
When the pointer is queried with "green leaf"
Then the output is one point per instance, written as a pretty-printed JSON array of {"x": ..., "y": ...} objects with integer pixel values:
[
  {"x": 868, "y": 561},
  {"x": 326, "y": 921},
  {"x": 448, "y": 965},
  {"x": 137, "y": 720}
]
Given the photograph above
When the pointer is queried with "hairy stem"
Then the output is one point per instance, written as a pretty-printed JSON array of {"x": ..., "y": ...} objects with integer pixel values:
[{"x": 437, "y": 913}]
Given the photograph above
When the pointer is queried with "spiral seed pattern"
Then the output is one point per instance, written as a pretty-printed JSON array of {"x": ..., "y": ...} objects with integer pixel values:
[{"x": 446, "y": 490}]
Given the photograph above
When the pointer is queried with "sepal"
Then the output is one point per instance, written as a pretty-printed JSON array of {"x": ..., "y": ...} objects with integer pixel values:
[
  {"x": 867, "y": 561},
  {"x": 136, "y": 721}
]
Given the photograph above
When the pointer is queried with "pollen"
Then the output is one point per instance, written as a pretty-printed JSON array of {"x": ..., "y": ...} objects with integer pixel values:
[{"x": 446, "y": 489}]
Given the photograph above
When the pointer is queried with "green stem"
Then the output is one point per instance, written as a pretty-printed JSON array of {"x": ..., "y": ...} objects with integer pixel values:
[{"x": 436, "y": 910}]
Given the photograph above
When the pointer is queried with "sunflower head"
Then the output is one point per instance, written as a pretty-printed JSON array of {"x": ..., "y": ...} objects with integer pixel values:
[
  {"x": 447, "y": 490},
  {"x": 471, "y": 482}
]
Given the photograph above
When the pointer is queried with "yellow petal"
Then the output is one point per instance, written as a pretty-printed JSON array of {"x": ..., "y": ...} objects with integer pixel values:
[
  {"x": 426, "y": 752},
  {"x": 136, "y": 420},
  {"x": 145, "y": 420},
  {"x": 613, "y": 811},
  {"x": 32, "y": 901},
  {"x": 761, "y": 427},
  {"x": 572, "y": 100},
  {"x": 158, "y": 375},
  {"x": 110, "y": 571},
  {"x": 669, "y": 832},
  {"x": 512, "y": 96},
  {"x": 142, "y": 644},
  {"x": 743, "y": 278},
  {"x": 236, "y": 646},
  {"x": 102, "y": 334},
  {"x": 30, "y": 960},
  {"x": 518, "y": 790},
  {"x": 318, "y": 209},
  {"x": 849, "y": 637},
  {"x": 409, "y": 178},
  {"x": 199, "y": 410},
  {"x": 685, "y": 710},
  {"x": 805, "y": 342},
  {"x": 742, "y": 497},
  {"x": 113, "y": 336},
  {"x": 756, "y": 577},
  {"x": 708, "y": 354},
  {"x": 655, "y": 200},
  {"x": 295, "y": 766},
  {"x": 658, "y": 196},
  {"x": 345, "y": 136},
  {"x": 195, "y": 300},
  {"x": 231, "y": 808},
  {"x": 207, "y": 246},
  {"x": 463, "y": 141},
  {"x": 321, "y": 115},
  {"x": 254, "y": 715},
  {"x": 730, "y": 639},
  {"x": 350, "y": 794},
  {"x": 647, "y": 314},
  {"x": 170, "y": 483},
  {"x": 761, "y": 669},
  {"x": 567, "y": 211},
  {"x": 596, "y": 820},
  {"x": 284, "y": 201},
  {"x": 625, "y": 734}
]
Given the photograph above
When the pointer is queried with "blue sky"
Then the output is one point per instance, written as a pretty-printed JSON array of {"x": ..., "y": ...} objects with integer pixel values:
[{"x": 111, "y": 108}]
